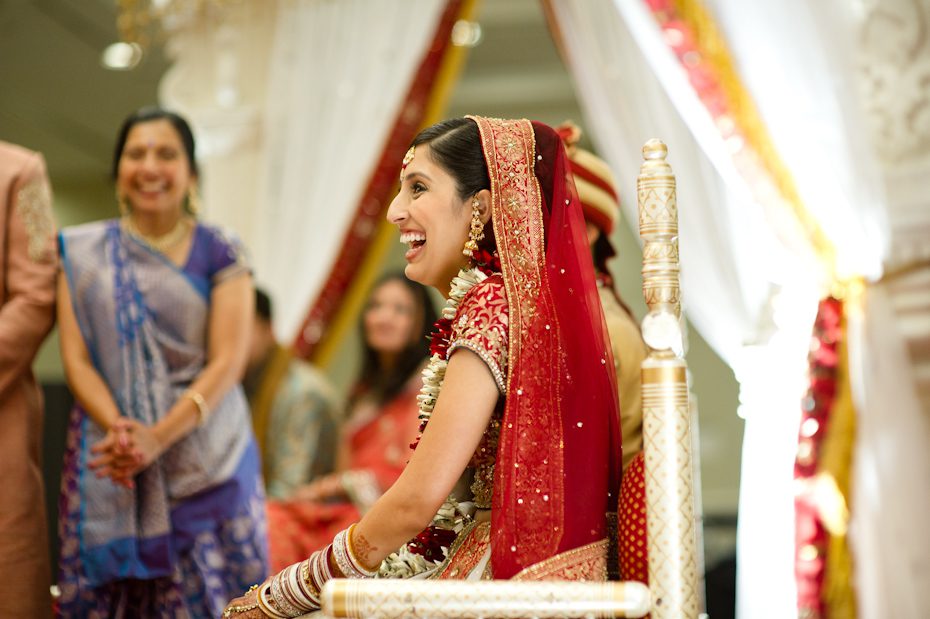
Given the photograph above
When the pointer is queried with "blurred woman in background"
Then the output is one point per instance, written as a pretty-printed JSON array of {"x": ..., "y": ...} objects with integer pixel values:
[
  {"x": 161, "y": 511},
  {"x": 375, "y": 438}
]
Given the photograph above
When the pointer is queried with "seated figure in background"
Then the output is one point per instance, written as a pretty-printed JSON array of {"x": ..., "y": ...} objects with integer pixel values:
[
  {"x": 375, "y": 438},
  {"x": 294, "y": 409}
]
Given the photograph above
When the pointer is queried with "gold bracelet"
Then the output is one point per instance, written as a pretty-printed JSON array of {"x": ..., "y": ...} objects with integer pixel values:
[
  {"x": 239, "y": 609},
  {"x": 203, "y": 409}
]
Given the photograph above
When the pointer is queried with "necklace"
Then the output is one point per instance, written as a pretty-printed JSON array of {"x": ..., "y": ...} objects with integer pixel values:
[{"x": 161, "y": 243}]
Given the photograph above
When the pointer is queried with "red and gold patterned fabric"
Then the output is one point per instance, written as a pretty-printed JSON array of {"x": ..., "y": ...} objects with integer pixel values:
[
  {"x": 631, "y": 523},
  {"x": 480, "y": 325},
  {"x": 558, "y": 461}
]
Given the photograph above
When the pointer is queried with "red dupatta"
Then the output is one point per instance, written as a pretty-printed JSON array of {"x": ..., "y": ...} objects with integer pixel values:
[{"x": 559, "y": 461}]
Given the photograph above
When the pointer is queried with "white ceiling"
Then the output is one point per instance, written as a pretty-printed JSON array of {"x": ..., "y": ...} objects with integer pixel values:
[{"x": 56, "y": 97}]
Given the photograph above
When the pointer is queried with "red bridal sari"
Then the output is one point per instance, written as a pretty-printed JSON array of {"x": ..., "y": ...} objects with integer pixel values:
[{"x": 552, "y": 452}]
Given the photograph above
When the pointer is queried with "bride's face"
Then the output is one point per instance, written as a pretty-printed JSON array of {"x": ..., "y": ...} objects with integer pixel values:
[{"x": 433, "y": 221}]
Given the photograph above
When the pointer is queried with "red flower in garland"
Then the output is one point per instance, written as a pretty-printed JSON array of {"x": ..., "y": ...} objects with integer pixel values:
[
  {"x": 430, "y": 542},
  {"x": 439, "y": 338},
  {"x": 416, "y": 441},
  {"x": 486, "y": 262}
]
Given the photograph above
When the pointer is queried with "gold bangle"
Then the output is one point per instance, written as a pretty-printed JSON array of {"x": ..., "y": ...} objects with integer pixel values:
[
  {"x": 203, "y": 410},
  {"x": 239, "y": 609}
]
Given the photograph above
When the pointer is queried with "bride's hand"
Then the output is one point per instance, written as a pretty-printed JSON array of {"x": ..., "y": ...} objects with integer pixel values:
[{"x": 245, "y": 607}]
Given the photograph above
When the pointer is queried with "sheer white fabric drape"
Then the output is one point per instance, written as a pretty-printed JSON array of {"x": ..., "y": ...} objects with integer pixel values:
[
  {"x": 317, "y": 87},
  {"x": 844, "y": 137},
  {"x": 749, "y": 294}
]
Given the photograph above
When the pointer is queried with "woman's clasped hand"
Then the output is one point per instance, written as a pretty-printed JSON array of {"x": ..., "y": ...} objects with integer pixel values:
[{"x": 128, "y": 448}]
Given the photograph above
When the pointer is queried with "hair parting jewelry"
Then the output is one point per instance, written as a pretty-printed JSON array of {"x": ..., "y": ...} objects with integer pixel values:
[
  {"x": 203, "y": 409},
  {"x": 408, "y": 157},
  {"x": 476, "y": 230}
]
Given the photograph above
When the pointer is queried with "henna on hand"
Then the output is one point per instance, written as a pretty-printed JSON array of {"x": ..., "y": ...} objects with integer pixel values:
[{"x": 362, "y": 549}]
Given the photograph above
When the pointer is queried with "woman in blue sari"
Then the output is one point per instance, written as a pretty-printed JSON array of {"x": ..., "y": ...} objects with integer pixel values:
[{"x": 162, "y": 507}]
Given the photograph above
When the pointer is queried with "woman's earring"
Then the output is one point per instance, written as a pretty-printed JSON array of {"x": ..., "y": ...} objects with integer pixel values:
[
  {"x": 123, "y": 204},
  {"x": 193, "y": 200},
  {"x": 476, "y": 231}
]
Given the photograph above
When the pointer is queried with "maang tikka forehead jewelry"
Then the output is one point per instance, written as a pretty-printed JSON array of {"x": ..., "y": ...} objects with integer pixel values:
[
  {"x": 408, "y": 157},
  {"x": 476, "y": 231}
]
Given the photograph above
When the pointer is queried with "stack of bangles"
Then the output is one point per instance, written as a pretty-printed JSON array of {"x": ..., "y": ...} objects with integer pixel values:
[{"x": 295, "y": 590}]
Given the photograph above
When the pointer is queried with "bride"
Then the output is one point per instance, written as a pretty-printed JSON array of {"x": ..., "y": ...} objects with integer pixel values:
[{"x": 518, "y": 459}]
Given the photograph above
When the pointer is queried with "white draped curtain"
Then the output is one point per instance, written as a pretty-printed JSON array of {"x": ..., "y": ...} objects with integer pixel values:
[
  {"x": 292, "y": 101},
  {"x": 750, "y": 282},
  {"x": 751, "y": 297}
]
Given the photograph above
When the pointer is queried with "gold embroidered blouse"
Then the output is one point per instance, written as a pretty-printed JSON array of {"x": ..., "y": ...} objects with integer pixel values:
[{"x": 481, "y": 326}]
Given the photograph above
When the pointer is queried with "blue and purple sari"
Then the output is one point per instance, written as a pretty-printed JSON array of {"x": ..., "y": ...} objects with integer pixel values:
[{"x": 191, "y": 534}]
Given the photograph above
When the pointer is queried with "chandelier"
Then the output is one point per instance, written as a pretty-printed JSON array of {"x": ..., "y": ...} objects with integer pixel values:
[{"x": 142, "y": 22}]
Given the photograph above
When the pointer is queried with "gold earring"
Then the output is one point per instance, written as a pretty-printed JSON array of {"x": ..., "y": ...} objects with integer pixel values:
[
  {"x": 193, "y": 200},
  {"x": 123, "y": 204},
  {"x": 476, "y": 231}
]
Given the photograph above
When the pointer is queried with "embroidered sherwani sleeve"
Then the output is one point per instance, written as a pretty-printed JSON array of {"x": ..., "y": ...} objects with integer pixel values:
[
  {"x": 27, "y": 313},
  {"x": 480, "y": 325}
]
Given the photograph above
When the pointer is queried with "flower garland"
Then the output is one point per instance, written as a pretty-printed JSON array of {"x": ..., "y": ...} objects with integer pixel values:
[
  {"x": 431, "y": 547},
  {"x": 812, "y": 538},
  {"x": 435, "y": 371}
]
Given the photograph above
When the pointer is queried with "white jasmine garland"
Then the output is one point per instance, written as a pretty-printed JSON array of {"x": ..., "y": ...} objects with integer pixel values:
[{"x": 435, "y": 371}]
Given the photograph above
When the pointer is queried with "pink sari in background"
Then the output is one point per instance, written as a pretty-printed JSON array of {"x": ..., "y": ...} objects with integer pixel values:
[{"x": 378, "y": 444}]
